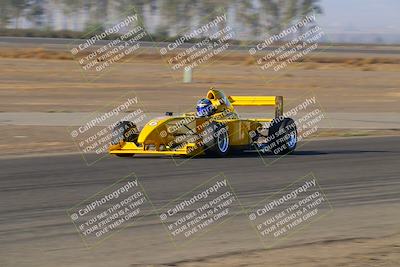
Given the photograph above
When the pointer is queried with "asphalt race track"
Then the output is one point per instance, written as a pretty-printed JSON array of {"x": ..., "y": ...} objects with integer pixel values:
[{"x": 360, "y": 177}]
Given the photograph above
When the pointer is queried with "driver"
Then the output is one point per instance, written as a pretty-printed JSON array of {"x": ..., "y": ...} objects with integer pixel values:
[{"x": 204, "y": 108}]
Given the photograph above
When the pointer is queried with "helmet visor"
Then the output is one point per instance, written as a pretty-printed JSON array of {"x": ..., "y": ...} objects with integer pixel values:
[{"x": 204, "y": 110}]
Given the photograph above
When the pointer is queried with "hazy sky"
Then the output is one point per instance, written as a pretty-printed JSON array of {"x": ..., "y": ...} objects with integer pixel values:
[{"x": 366, "y": 16}]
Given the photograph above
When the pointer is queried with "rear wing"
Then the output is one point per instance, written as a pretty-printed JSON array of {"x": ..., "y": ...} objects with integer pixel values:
[{"x": 275, "y": 101}]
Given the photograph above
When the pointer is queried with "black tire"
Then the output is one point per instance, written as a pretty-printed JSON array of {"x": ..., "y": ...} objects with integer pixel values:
[
  {"x": 125, "y": 131},
  {"x": 282, "y": 137},
  {"x": 216, "y": 140}
]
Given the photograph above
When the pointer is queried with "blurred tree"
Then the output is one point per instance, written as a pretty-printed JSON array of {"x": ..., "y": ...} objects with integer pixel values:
[
  {"x": 309, "y": 6},
  {"x": 291, "y": 11},
  {"x": 124, "y": 6},
  {"x": 210, "y": 8},
  {"x": 182, "y": 14},
  {"x": 280, "y": 13},
  {"x": 17, "y": 9},
  {"x": 5, "y": 16},
  {"x": 248, "y": 16},
  {"x": 97, "y": 13},
  {"x": 273, "y": 13},
  {"x": 71, "y": 6},
  {"x": 253, "y": 17},
  {"x": 35, "y": 12},
  {"x": 170, "y": 15}
]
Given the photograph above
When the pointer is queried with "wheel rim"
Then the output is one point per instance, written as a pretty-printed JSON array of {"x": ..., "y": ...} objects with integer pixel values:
[
  {"x": 223, "y": 141},
  {"x": 292, "y": 139}
]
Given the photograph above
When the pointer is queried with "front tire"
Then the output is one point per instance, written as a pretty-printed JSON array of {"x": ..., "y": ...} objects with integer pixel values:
[
  {"x": 125, "y": 131},
  {"x": 216, "y": 140}
]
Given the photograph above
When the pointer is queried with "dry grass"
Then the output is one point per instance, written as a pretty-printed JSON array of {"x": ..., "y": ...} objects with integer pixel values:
[
  {"x": 38, "y": 53},
  {"x": 232, "y": 57}
]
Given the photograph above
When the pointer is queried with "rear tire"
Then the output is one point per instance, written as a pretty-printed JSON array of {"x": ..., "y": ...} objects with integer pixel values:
[
  {"x": 282, "y": 137},
  {"x": 216, "y": 140}
]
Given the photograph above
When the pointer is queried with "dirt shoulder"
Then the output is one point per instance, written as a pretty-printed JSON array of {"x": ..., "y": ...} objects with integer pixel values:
[
  {"x": 44, "y": 85},
  {"x": 382, "y": 251}
]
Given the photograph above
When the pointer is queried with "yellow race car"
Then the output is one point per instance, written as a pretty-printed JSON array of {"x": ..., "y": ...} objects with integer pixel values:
[{"x": 215, "y": 129}]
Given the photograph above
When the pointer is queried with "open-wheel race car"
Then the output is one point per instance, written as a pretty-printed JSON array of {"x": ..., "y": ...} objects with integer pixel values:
[{"x": 215, "y": 129}]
